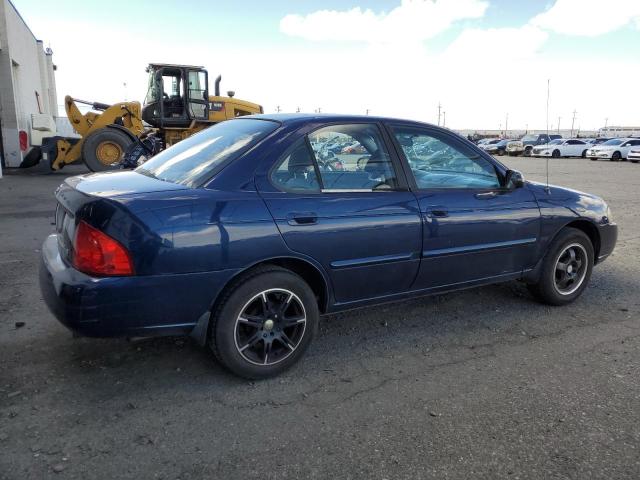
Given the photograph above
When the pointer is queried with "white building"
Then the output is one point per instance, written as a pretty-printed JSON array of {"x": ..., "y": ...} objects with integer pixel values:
[{"x": 28, "y": 100}]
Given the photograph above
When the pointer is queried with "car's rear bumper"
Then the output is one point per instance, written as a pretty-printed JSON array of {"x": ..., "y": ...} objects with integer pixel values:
[
  {"x": 125, "y": 306},
  {"x": 608, "y": 238}
]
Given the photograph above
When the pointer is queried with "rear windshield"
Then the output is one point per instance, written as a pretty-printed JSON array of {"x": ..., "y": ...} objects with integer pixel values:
[{"x": 194, "y": 160}]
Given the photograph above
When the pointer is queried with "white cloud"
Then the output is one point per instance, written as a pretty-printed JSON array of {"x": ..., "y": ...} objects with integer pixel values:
[
  {"x": 588, "y": 18},
  {"x": 413, "y": 20},
  {"x": 504, "y": 43}
]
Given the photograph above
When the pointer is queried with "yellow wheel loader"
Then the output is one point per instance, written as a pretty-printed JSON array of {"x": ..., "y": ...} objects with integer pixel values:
[{"x": 176, "y": 106}]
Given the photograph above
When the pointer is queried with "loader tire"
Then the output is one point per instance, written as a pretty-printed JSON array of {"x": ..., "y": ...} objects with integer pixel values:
[{"x": 103, "y": 149}]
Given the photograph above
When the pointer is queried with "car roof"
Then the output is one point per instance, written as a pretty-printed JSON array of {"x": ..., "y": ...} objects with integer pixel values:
[{"x": 293, "y": 118}]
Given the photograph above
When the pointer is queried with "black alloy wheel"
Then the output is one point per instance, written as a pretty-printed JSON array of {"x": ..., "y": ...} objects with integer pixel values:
[{"x": 263, "y": 322}]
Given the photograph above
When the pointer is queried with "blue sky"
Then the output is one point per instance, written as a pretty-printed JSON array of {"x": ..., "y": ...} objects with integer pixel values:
[{"x": 480, "y": 59}]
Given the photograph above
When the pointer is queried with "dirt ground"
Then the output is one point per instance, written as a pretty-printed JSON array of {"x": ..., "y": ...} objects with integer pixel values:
[{"x": 485, "y": 383}]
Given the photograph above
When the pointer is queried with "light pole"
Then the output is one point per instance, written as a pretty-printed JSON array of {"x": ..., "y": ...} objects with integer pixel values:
[
  {"x": 439, "y": 107},
  {"x": 559, "y": 124},
  {"x": 573, "y": 121},
  {"x": 444, "y": 118}
]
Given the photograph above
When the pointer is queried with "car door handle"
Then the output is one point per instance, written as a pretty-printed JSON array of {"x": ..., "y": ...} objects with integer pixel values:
[
  {"x": 486, "y": 195},
  {"x": 302, "y": 218},
  {"x": 438, "y": 212}
]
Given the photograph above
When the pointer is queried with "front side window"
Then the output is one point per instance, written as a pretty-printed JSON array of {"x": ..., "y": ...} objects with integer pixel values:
[
  {"x": 438, "y": 162},
  {"x": 352, "y": 157},
  {"x": 196, "y": 158}
]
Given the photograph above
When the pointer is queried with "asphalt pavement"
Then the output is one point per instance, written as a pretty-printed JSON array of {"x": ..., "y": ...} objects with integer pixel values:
[{"x": 484, "y": 383}]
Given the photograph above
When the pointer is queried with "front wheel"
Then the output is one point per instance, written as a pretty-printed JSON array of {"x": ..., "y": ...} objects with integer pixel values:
[
  {"x": 264, "y": 323},
  {"x": 566, "y": 268},
  {"x": 616, "y": 157},
  {"x": 103, "y": 149},
  {"x": 584, "y": 154},
  {"x": 556, "y": 153}
]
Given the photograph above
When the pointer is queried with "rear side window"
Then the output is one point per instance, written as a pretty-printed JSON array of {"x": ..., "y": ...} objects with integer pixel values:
[
  {"x": 338, "y": 158},
  {"x": 352, "y": 158},
  {"x": 295, "y": 172},
  {"x": 195, "y": 159}
]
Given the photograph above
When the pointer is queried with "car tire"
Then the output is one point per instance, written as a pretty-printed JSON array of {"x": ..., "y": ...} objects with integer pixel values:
[
  {"x": 593, "y": 159},
  {"x": 527, "y": 152},
  {"x": 616, "y": 157},
  {"x": 633, "y": 161},
  {"x": 263, "y": 323},
  {"x": 584, "y": 154},
  {"x": 556, "y": 153},
  {"x": 103, "y": 149},
  {"x": 565, "y": 275}
]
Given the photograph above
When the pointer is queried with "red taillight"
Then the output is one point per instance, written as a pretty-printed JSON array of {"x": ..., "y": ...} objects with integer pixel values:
[
  {"x": 24, "y": 140},
  {"x": 96, "y": 253}
]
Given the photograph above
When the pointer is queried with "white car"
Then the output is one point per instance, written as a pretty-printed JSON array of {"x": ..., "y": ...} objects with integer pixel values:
[
  {"x": 614, "y": 149},
  {"x": 488, "y": 142},
  {"x": 562, "y": 147},
  {"x": 634, "y": 154}
]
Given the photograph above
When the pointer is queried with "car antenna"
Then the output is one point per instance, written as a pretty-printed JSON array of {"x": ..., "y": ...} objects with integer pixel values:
[{"x": 547, "y": 189}]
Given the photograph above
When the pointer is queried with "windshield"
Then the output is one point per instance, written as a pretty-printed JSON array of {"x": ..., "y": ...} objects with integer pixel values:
[
  {"x": 153, "y": 92},
  {"x": 194, "y": 160},
  {"x": 613, "y": 141}
]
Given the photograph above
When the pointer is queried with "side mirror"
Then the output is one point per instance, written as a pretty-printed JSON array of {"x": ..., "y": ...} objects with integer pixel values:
[{"x": 514, "y": 179}]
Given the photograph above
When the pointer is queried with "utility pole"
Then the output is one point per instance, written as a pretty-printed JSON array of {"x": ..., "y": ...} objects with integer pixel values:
[
  {"x": 548, "y": 88},
  {"x": 278, "y": 109},
  {"x": 439, "y": 107},
  {"x": 573, "y": 121},
  {"x": 559, "y": 124},
  {"x": 367, "y": 112},
  {"x": 444, "y": 118},
  {"x": 298, "y": 110}
]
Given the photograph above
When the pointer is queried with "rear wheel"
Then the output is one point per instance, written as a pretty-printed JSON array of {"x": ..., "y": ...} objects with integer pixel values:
[
  {"x": 103, "y": 149},
  {"x": 264, "y": 323},
  {"x": 566, "y": 268}
]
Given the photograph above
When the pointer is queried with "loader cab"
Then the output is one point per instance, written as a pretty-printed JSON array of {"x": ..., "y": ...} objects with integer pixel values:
[{"x": 177, "y": 96}]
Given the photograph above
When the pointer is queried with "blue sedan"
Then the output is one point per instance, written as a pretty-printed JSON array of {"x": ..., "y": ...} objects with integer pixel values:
[{"x": 241, "y": 237}]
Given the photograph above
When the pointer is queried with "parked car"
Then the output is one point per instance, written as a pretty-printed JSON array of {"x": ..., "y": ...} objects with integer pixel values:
[
  {"x": 634, "y": 155},
  {"x": 596, "y": 141},
  {"x": 238, "y": 237},
  {"x": 498, "y": 148},
  {"x": 525, "y": 145},
  {"x": 482, "y": 141},
  {"x": 562, "y": 147},
  {"x": 615, "y": 149},
  {"x": 489, "y": 143}
]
